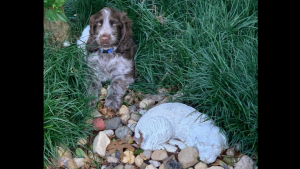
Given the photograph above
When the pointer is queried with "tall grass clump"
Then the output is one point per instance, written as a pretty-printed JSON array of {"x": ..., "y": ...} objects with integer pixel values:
[
  {"x": 65, "y": 103},
  {"x": 207, "y": 49}
]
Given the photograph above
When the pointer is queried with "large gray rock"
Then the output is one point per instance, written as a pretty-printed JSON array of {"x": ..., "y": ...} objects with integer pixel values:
[
  {"x": 123, "y": 131},
  {"x": 112, "y": 123},
  {"x": 188, "y": 157}
]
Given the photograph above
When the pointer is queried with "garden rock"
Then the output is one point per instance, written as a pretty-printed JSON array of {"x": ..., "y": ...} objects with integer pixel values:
[
  {"x": 162, "y": 166},
  {"x": 244, "y": 163},
  {"x": 171, "y": 163},
  {"x": 150, "y": 167},
  {"x": 159, "y": 155},
  {"x": 124, "y": 112},
  {"x": 134, "y": 116},
  {"x": 79, "y": 161},
  {"x": 143, "y": 166},
  {"x": 130, "y": 121},
  {"x": 138, "y": 160},
  {"x": 112, "y": 159},
  {"x": 112, "y": 123},
  {"x": 188, "y": 157},
  {"x": 200, "y": 165},
  {"x": 155, "y": 163},
  {"x": 120, "y": 166},
  {"x": 215, "y": 167},
  {"x": 132, "y": 108},
  {"x": 109, "y": 132},
  {"x": 147, "y": 154},
  {"x": 129, "y": 166},
  {"x": 96, "y": 113},
  {"x": 146, "y": 103},
  {"x": 122, "y": 131},
  {"x": 128, "y": 158},
  {"x": 100, "y": 143},
  {"x": 71, "y": 164}
]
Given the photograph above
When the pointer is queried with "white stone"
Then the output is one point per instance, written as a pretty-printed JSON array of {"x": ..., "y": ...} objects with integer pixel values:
[
  {"x": 138, "y": 160},
  {"x": 160, "y": 124},
  {"x": 124, "y": 112},
  {"x": 112, "y": 159},
  {"x": 155, "y": 163},
  {"x": 159, "y": 155},
  {"x": 147, "y": 154},
  {"x": 103, "y": 166},
  {"x": 108, "y": 132},
  {"x": 79, "y": 161},
  {"x": 244, "y": 163},
  {"x": 150, "y": 167},
  {"x": 200, "y": 165},
  {"x": 100, "y": 143},
  {"x": 146, "y": 103}
]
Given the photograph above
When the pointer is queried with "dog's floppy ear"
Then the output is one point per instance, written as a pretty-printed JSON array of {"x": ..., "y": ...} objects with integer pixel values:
[
  {"x": 91, "y": 44},
  {"x": 126, "y": 33}
]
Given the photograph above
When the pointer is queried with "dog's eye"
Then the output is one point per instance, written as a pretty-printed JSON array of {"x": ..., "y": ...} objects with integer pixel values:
[
  {"x": 99, "y": 23},
  {"x": 113, "y": 23}
]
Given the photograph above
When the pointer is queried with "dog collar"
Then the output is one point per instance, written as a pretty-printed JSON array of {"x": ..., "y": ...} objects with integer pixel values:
[{"x": 107, "y": 51}]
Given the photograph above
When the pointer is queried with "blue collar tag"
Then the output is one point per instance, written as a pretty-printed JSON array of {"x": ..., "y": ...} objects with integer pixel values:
[{"x": 106, "y": 51}]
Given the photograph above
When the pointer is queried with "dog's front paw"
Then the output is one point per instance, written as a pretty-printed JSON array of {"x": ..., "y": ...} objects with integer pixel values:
[{"x": 113, "y": 103}]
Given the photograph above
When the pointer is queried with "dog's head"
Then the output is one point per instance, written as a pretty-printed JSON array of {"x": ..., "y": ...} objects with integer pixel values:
[{"x": 109, "y": 28}]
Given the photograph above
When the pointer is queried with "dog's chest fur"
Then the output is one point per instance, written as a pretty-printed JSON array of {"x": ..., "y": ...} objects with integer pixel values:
[{"x": 109, "y": 65}]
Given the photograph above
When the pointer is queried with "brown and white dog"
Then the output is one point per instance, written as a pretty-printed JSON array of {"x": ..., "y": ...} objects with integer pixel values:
[{"x": 110, "y": 52}]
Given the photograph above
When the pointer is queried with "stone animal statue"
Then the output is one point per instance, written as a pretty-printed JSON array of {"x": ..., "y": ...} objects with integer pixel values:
[{"x": 163, "y": 125}]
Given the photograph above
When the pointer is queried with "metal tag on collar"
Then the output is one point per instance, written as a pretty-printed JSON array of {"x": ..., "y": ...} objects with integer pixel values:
[{"x": 106, "y": 51}]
